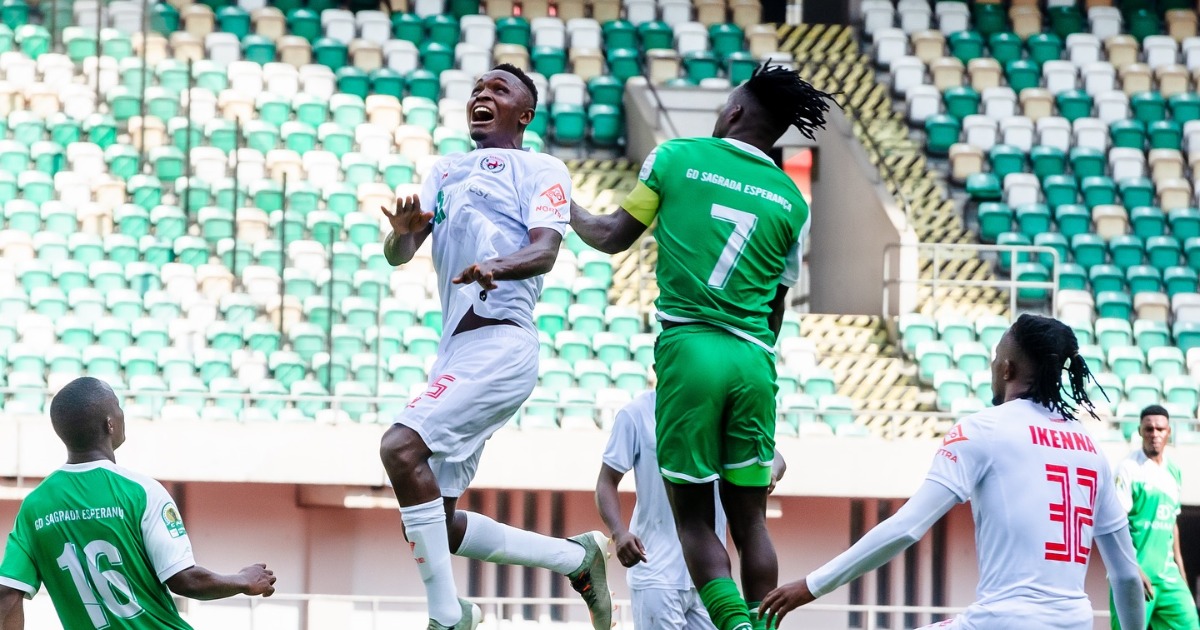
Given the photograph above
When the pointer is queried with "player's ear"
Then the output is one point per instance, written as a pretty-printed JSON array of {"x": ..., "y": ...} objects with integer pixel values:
[{"x": 526, "y": 117}]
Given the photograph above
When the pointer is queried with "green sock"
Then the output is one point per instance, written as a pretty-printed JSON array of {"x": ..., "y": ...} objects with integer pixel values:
[
  {"x": 725, "y": 605},
  {"x": 758, "y": 622}
]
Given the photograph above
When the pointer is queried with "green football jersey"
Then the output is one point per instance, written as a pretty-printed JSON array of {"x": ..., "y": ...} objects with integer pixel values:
[
  {"x": 1149, "y": 492},
  {"x": 103, "y": 540},
  {"x": 730, "y": 226}
]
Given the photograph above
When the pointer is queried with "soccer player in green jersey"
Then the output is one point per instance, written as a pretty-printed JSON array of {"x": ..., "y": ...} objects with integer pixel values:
[
  {"x": 730, "y": 224},
  {"x": 107, "y": 542},
  {"x": 1148, "y": 485}
]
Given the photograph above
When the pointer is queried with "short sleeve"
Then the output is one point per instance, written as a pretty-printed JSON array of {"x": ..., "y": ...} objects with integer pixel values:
[
  {"x": 1111, "y": 513},
  {"x": 549, "y": 205},
  {"x": 643, "y": 201},
  {"x": 623, "y": 448},
  {"x": 1123, "y": 486},
  {"x": 961, "y": 461},
  {"x": 167, "y": 542},
  {"x": 18, "y": 571},
  {"x": 795, "y": 259}
]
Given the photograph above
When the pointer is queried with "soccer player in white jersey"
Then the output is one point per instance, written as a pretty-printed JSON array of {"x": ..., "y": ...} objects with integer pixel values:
[
  {"x": 108, "y": 543},
  {"x": 664, "y": 597},
  {"x": 496, "y": 216},
  {"x": 1040, "y": 491}
]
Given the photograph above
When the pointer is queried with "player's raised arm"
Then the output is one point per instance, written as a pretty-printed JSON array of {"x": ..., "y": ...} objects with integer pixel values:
[
  {"x": 12, "y": 609},
  {"x": 608, "y": 233},
  {"x": 877, "y": 547},
  {"x": 410, "y": 227},
  {"x": 200, "y": 583}
]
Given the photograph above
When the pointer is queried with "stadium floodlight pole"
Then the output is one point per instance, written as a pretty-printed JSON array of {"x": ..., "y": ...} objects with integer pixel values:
[{"x": 282, "y": 251}]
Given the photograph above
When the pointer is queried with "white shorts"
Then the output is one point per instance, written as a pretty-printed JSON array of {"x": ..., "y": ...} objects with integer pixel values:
[
  {"x": 479, "y": 381},
  {"x": 669, "y": 609}
]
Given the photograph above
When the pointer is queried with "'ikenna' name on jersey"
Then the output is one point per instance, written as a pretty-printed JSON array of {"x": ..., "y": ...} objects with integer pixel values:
[
  {"x": 484, "y": 204},
  {"x": 1039, "y": 490}
]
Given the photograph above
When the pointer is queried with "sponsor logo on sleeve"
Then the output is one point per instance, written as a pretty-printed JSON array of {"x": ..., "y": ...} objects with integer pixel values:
[
  {"x": 172, "y": 520},
  {"x": 555, "y": 195},
  {"x": 492, "y": 164},
  {"x": 955, "y": 435},
  {"x": 648, "y": 165}
]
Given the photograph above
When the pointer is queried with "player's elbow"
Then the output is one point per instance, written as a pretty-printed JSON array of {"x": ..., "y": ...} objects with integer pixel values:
[{"x": 192, "y": 583}]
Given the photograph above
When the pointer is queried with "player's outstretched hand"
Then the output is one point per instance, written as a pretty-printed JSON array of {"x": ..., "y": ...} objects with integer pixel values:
[
  {"x": 630, "y": 549},
  {"x": 479, "y": 272},
  {"x": 259, "y": 580},
  {"x": 784, "y": 600},
  {"x": 407, "y": 218}
]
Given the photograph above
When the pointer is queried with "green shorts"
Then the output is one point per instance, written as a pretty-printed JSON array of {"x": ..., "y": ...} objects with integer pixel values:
[
  {"x": 716, "y": 407},
  {"x": 1171, "y": 608}
]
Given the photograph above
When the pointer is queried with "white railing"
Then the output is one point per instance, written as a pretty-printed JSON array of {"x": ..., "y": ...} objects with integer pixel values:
[
  {"x": 939, "y": 253},
  {"x": 378, "y": 613}
]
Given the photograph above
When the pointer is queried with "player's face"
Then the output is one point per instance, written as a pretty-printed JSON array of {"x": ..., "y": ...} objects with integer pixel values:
[
  {"x": 728, "y": 114},
  {"x": 499, "y": 110},
  {"x": 116, "y": 422},
  {"x": 1155, "y": 432},
  {"x": 1000, "y": 366}
]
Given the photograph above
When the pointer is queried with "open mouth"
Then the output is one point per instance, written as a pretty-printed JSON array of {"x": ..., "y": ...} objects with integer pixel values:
[{"x": 482, "y": 114}]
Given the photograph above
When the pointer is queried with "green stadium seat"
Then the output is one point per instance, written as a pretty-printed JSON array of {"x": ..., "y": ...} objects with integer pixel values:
[
  {"x": 1074, "y": 104},
  {"x": 1148, "y": 107},
  {"x": 1087, "y": 162},
  {"x": 1116, "y": 304},
  {"x": 1006, "y": 159},
  {"x": 1143, "y": 389},
  {"x": 1163, "y": 252},
  {"x": 1098, "y": 191},
  {"x": 941, "y": 132},
  {"x": 1144, "y": 279},
  {"x": 971, "y": 357},
  {"x": 605, "y": 122},
  {"x": 1072, "y": 277},
  {"x": 965, "y": 45},
  {"x": 994, "y": 219},
  {"x": 1111, "y": 333},
  {"x": 623, "y": 63},
  {"x": 1129, "y": 134},
  {"x": 932, "y": 357},
  {"x": 1031, "y": 272},
  {"x": 1005, "y": 46},
  {"x": 961, "y": 101},
  {"x": 1165, "y": 134},
  {"x": 1060, "y": 189},
  {"x": 1033, "y": 219},
  {"x": 1137, "y": 192},
  {"x": 1004, "y": 257},
  {"x": 408, "y": 27},
  {"x": 1127, "y": 250},
  {"x": 1056, "y": 241},
  {"x": 1047, "y": 161},
  {"x": 1179, "y": 280},
  {"x": 1147, "y": 221},
  {"x": 1191, "y": 250},
  {"x": 820, "y": 383},
  {"x": 1022, "y": 74},
  {"x": 619, "y": 34},
  {"x": 951, "y": 385}
]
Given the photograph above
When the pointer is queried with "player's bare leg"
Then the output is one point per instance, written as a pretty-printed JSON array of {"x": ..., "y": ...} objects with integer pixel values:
[
  {"x": 406, "y": 458},
  {"x": 746, "y": 509},
  {"x": 705, "y": 554}
]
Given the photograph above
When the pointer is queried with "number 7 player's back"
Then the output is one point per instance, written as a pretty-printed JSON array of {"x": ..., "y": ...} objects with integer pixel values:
[
  {"x": 1040, "y": 490},
  {"x": 730, "y": 226}
]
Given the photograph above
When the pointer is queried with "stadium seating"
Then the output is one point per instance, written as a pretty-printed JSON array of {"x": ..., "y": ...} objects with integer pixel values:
[{"x": 1065, "y": 126}]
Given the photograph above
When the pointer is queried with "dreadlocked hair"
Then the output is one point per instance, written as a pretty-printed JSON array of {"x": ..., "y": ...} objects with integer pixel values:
[
  {"x": 789, "y": 99},
  {"x": 524, "y": 78},
  {"x": 1052, "y": 348}
]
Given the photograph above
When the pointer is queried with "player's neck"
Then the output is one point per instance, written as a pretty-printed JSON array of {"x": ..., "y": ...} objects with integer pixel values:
[
  {"x": 498, "y": 143},
  {"x": 91, "y": 455},
  {"x": 1156, "y": 458},
  {"x": 752, "y": 137}
]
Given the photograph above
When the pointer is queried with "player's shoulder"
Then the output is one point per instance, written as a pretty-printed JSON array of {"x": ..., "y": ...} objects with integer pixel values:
[
  {"x": 535, "y": 159},
  {"x": 153, "y": 490},
  {"x": 982, "y": 423},
  {"x": 688, "y": 145}
]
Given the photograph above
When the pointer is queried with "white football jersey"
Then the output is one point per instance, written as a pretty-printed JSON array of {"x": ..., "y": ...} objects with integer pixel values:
[
  {"x": 485, "y": 202},
  {"x": 633, "y": 446},
  {"x": 1039, "y": 490}
]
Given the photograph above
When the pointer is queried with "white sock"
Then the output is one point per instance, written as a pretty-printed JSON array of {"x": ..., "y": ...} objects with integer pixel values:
[
  {"x": 490, "y": 541},
  {"x": 425, "y": 527}
]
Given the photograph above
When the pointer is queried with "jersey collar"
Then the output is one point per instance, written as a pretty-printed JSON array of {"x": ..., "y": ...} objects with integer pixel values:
[
  {"x": 749, "y": 148},
  {"x": 86, "y": 466}
]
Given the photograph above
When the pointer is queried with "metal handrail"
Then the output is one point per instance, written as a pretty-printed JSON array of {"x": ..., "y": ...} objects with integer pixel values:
[{"x": 970, "y": 250}]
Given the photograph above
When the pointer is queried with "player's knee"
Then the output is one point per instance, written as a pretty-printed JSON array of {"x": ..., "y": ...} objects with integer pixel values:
[{"x": 402, "y": 449}]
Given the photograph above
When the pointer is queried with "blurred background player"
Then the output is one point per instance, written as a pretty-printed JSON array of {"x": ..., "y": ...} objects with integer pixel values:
[
  {"x": 1040, "y": 492},
  {"x": 497, "y": 215},
  {"x": 663, "y": 596},
  {"x": 108, "y": 543},
  {"x": 1148, "y": 486},
  {"x": 730, "y": 229}
]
